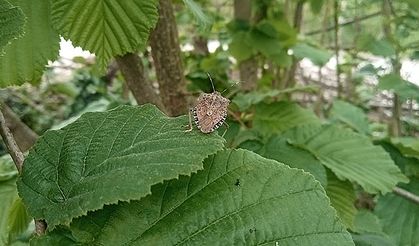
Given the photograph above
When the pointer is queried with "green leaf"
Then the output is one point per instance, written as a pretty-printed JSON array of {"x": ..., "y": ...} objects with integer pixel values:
[
  {"x": 316, "y": 6},
  {"x": 342, "y": 196},
  {"x": 107, "y": 28},
  {"x": 318, "y": 56},
  {"x": 399, "y": 216},
  {"x": 8, "y": 195},
  {"x": 18, "y": 218},
  {"x": 349, "y": 155},
  {"x": 12, "y": 20},
  {"x": 245, "y": 100},
  {"x": 106, "y": 157},
  {"x": 409, "y": 165},
  {"x": 404, "y": 88},
  {"x": 239, "y": 48},
  {"x": 367, "y": 222},
  {"x": 367, "y": 42},
  {"x": 350, "y": 115},
  {"x": 26, "y": 57},
  {"x": 280, "y": 116},
  {"x": 278, "y": 149},
  {"x": 408, "y": 146},
  {"x": 239, "y": 198},
  {"x": 371, "y": 239},
  {"x": 204, "y": 21}
]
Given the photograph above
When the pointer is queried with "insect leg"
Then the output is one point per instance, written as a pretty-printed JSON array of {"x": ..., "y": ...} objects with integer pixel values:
[{"x": 190, "y": 122}]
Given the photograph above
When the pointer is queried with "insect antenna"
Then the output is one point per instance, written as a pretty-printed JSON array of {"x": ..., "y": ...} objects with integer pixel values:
[
  {"x": 212, "y": 83},
  {"x": 235, "y": 83}
]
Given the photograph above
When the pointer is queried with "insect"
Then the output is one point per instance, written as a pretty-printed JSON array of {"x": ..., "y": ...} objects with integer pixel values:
[{"x": 210, "y": 111}]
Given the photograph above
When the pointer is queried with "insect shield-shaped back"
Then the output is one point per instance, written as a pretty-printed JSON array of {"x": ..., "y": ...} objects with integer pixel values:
[{"x": 210, "y": 111}]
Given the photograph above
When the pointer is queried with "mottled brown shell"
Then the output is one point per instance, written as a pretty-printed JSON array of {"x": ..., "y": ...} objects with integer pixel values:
[{"x": 210, "y": 111}]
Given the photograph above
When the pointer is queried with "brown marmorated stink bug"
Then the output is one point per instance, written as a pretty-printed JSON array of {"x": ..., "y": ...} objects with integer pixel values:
[{"x": 210, "y": 111}]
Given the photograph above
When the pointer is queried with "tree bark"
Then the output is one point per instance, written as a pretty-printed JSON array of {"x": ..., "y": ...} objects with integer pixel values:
[
  {"x": 132, "y": 69},
  {"x": 248, "y": 68},
  {"x": 166, "y": 54},
  {"x": 24, "y": 136},
  {"x": 298, "y": 19},
  {"x": 395, "y": 124}
]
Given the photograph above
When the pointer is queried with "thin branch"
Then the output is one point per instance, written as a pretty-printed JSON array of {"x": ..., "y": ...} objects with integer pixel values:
[
  {"x": 18, "y": 158},
  {"x": 336, "y": 20},
  {"x": 11, "y": 144},
  {"x": 331, "y": 28},
  {"x": 406, "y": 194}
]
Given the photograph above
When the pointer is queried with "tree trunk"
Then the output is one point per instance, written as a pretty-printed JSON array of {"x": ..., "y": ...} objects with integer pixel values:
[
  {"x": 166, "y": 54},
  {"x": 395, "y": 124},
  {"x": 248, "y": 68},
  {"x": 298, "y": 20},
  {"x": 132, "y": 69}
]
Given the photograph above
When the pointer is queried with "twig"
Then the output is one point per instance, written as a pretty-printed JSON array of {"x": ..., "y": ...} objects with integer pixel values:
[
  {"x": 331, "y": 28},
  {"x": 10, "y": 143},
  {"x": 18, "y": 158},
  {"x": 406, "y": 194}
]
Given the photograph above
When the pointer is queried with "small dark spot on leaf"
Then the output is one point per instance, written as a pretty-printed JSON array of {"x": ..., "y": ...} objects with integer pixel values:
[
  {"x": 252, "y": 230},
  {"x": 237, "y": 182}
]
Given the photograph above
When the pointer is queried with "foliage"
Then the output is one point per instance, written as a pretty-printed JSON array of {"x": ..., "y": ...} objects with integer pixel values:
[
  {"x": 11, "y": 21},
  {"x": 102, "y": 164},
  {"x": 228, "y": 202},
  {"x": 307, "y": 157},
  {"x": 32, "y": 51}
]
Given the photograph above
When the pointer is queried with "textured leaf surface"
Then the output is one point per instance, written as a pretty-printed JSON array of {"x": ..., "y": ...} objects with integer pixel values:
[
  {"x": 400, "y": 217},
  {"x": 239, "y": 198},
  {"x": 26, "y": 57},
  {"x": 349, "y": 155},
  {"x": 105, "y": 157},
  {"x": 11, "y": 23},
  {"x": 278, "y": 149},
  {"x": 281, "y": 116},
  {"x": 105, "y": 27},
  {"x": 342, "y": 196},
  {"x": 350, "y": 115}
]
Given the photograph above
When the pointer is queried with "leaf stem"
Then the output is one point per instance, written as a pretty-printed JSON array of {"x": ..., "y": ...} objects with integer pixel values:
[{"x": 406, "y": 194}]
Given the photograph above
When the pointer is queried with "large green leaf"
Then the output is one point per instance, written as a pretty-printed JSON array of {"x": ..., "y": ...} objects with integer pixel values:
[
  {"x": 106, "y": 157},
  {"x": 8, "y": 194},
  {"x": 351, "y": 115},
  {"x": 400, "y": 217},
  {"x": 26, "y": 57},
  {"x": 105, "y": 27},
  {"x": 239, "y": 198},
  {"x": 342, "y": 196},
  {"x": 280, "y": 116},
  {"x": 278, "y": 149},
  {"x": 12, "y": 20},
  {"x": 349, "y": 155}
]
